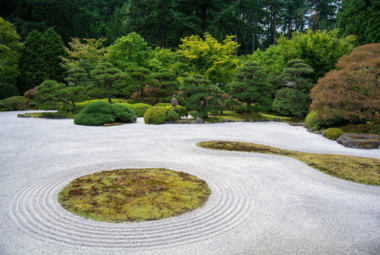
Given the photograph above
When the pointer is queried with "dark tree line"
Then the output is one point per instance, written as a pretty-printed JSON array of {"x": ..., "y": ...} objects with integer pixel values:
[{"x": 256, "y": 23}]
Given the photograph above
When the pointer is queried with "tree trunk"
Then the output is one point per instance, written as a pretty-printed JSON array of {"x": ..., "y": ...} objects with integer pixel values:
[
  {"x": 163, "y": 35},
  {"x": 142, "y": 93},
  {"x": 254, "y": 34},
  {"x": 109, "y": 92},
  {"x": 289, "y": 26},
  {"x": 274, "y": 24}
]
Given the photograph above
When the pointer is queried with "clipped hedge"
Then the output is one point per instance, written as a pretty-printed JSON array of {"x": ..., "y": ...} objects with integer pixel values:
[
  {"x": 7, "y": 90},
  {"x": 99, "y": 113},
  {"x": 159, "y": 114},
  {"x": 333, "y": 133},
  {"x": 15, "y": 103},
  {"x": 85, "y": 103},
  {"x": 311, "y": 120},
  {"x": 139, "y": 108},
  {"x": 182, "y": 111}
]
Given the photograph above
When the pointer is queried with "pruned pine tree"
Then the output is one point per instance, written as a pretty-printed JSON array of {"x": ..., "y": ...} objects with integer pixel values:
[
  {"x": 251, "y": 85},
  {"x": 107, "y": 74},
  {"x": 78, "y": 76},
  {"x": 299, "y": 87},
  {"x": 201, "y": 95},
  {"x": 140, "y": 78},
  {"x": 166, "y": 82}
]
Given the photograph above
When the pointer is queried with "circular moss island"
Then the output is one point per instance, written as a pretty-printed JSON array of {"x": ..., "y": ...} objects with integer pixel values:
[{"x": 134, "y": 194}]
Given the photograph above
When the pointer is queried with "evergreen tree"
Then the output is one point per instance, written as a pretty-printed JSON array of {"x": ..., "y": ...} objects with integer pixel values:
[
  {"x": 9, "y": 47},
  {"x": 107, "y": 74},
  {"x": 140, "y": 78},
  {"x": 52, "y": 49},
  {"x": 298, "y": 92},
  {"x": 360, "y": 18},
  {"x": 30, "y": 65},
  {"x": 77, "y": 75},
  {"x": 202, "y": 95},
  {"x": 166, "y": 82},
  {"x": 251, "y": 86}
]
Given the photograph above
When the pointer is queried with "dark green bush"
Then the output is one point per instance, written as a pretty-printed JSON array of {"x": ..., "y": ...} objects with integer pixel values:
[
  {"x": 14, "y": 103},
  {"x": 123, "y": 113},
  {"x": 171, "y": 115},
  {"x": 333, "y": 133},
  {"x": 155, "y": 115},
  {"x": 242, "y": 109},
  {"x": 375, "y": 129},
  {"x": 7, "y": 90},
  {"x": 99, "y": 113},
  {"x": 85, "y": 103},
  {"x": 181, "y": 111}
]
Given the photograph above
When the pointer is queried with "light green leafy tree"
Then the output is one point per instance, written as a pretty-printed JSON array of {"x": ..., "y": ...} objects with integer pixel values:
[
  {"x": 106, "y": 74},
  {"x": 9, "y": 47},
  {"x": 129, "y": 51},
  {"x": 214, "y": 60}
]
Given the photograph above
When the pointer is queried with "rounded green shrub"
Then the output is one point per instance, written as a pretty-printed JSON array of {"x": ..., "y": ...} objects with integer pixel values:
[
  {"x": 163, "y": 104},
  {"x": 171, "y": 115},
  {"x": 155, "y": 115},
  {"x": 7, "y": 90},
  {"x": 85, "y": 103},
  {"x": 140, "y": 109},
  {"x": 182, "y": 111},
  {"x": 123, "y": 113},
  {"x": 14, "y": 103},
  {"x": 333, "y": 133},
  {"x": 99, "y": 113},
  {"x": 311, "y": 120},
  {"x": 242, "y": 109}
]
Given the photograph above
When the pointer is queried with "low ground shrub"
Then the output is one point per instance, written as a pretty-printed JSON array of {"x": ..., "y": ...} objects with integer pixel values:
[
  {"x": 7, "y": 90},
  {"x": 242, "y": 109},
  {"x": 182, "y": 111},
  {"x": 375, "y": 129},
  {"x": 171, "y": 115},
  {"x": 15, "y": 103},
  {"x": 333, "y": 133},
  {"x": 139, "y": 108},
  {"x": 99, "y": 113}
]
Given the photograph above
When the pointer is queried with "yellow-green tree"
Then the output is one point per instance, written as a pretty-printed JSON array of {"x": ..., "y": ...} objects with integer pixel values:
[{"x": 214, "y": 60}]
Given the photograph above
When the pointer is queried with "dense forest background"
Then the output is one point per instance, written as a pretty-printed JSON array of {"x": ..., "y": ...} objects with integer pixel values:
[{"x": 256, "y": 23}]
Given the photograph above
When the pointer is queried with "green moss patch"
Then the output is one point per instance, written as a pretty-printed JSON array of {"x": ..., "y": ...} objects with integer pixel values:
[
  {"x": 355, "y": 169},
  {"x": 134, "y": 194}
]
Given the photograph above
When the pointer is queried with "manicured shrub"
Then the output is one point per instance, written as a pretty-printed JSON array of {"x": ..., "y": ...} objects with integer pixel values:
[
  {"x": 229, "y": 103},
  {"x": 99, "y": 113},
  {"x": 311, "y": 120},
  {"x": 333, "y": 133},
  {"x": 14, "y": 103},
  {"x": 140, "y": 109},
  {"x": 163, "y": 104},
  {"x": 242, "y": 109},
  {"x": 171, "y": 115},
  {"x": 182, "y": 111},
  {"x": 155, "y": 115},
  {"x": 123, "y": 113},
  {"x": 85, "y": 103},
  {"x": 7, "y": 90}
]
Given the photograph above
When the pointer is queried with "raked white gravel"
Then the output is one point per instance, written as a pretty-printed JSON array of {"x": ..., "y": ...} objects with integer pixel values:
[{"x": 260, "y": 204}]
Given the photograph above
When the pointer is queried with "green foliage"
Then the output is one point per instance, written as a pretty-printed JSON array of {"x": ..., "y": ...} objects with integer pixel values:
[
  {"x": 311, "y": 120},
  {"x": 171, "y": 115},
  {"x": 243, "y": 109},
  {"x": 9, "y": 47},
  {"x": 333, "y": 133},
  {"x": 129, "y": 51},
  {"x": 182, "y": 111},
  {"x": 321, "y": 50},
  {"x": 295, "y": 97},
  {"x": 166, "y": 82},
  {"x": 139, "y": 109},
  {"x": 99, "y": 113},
  {"x": 15, "y": 103},
  {"x": 229, "y": 103},
  {"x": 360, "y": 18},
  {"x": 202, "y": 95},
  {"x": 7, "y": 90},
  {"x": 214, "y": 60},
  {"x": 375, "y": 129},
  {"x": 251, "y": 86},
  {"x": 155, "y": 115},
  {"x": 85, "y": 103},
  {"x": 160, "y": 58},
  {"x": 282, "y": 105},
  {"x": 52, "y": 48},
  {"x": 46, "y": 96},
  {"x": 140, "y": 78},
  {"x": 107, "y": 74},
  {"x": 77, "y": 75}
]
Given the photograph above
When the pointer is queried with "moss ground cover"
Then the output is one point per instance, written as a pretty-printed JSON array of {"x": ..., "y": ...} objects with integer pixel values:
[
  {"x": 134, "y": 194},
  {"x": 356, "y": 169}
]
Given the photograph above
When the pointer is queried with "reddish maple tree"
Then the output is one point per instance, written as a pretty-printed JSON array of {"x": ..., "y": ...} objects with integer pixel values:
[{"x": 352, "y": 91}]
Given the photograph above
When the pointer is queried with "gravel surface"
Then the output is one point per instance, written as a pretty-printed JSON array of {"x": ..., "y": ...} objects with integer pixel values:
[{"x": 260, "y": 204}]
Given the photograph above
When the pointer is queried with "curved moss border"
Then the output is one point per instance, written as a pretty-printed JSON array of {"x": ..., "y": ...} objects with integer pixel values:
[
  {"x": 350, "y": 168},
  {"x": 134, "y": 194}
]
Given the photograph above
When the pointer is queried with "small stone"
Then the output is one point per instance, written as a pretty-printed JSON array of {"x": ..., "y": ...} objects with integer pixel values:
[
  {"x": 193, "y": 122},
  {"x": 224, "y": 120},
  {"x": 199, "y": 120},
  {"x": 277, "y": 119}
]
